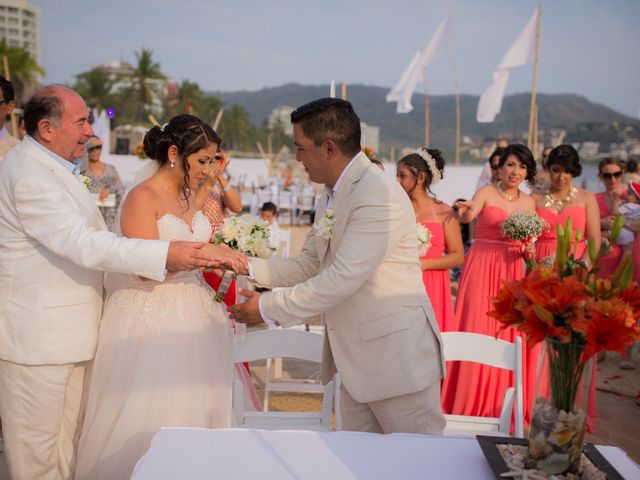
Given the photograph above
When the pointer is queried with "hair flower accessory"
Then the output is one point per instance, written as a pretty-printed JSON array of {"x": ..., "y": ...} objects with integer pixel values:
[
  {"x": 436, "y": 174},
  {"x": 164, "y": 125},
  {"x": 324, "y": 226}
]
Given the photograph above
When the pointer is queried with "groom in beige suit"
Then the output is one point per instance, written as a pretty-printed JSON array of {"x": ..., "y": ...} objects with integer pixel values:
[
  {"x": 54, "y": 247},
  {"x": 359, "y": 269}
]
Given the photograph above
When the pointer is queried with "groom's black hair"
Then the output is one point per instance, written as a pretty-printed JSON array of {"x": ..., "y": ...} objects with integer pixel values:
[{"x": 330, "y": 119}]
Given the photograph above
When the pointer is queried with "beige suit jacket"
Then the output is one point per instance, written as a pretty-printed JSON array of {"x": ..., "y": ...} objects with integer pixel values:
[
  {"x": 53, "y": 249},
  {"x": 6, "y": 144},
  {"x": 366, "y": 282}
]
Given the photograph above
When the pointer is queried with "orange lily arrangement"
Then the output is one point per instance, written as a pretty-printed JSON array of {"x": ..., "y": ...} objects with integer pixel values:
[{"x": 570, "y": 305}]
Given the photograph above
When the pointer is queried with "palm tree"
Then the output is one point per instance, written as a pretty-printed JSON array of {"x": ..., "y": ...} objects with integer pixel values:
[
  {"x": 236, "y": 129},
  {"x": 25, "y": 71},
  {"x": 146, "y": 69},
  {"x": 95, "y": 87}
]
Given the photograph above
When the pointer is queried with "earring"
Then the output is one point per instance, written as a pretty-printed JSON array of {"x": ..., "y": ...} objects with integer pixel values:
[{"x": 173, "y": 164}]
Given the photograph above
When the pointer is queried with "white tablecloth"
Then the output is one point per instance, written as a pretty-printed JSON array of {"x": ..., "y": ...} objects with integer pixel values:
[{"x": 192, "y": 453}]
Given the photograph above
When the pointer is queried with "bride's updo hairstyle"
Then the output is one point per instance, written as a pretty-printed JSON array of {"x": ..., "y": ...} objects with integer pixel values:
[
  {"x": 428, "y": 161},
  {"x": 188, "y": 133}
]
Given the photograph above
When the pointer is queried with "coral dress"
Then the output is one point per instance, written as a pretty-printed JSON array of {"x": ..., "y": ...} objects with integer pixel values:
[
  {"x": 436, "y": 282},
  {"x": 471, "y": 388},
  {"x": 546, "y": 244},
  {"x": 610, "y": 261}
]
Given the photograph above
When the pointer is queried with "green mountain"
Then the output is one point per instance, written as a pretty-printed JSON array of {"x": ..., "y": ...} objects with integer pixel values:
[{"x": 582, "y": 119}]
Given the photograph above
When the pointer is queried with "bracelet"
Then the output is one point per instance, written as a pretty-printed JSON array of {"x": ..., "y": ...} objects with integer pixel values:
[{"x": 227, "y": 188}]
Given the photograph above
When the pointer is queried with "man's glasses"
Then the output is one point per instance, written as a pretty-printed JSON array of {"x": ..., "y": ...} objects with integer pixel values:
[
  {"x": 609, "y": 176},
  {"x": 96, "y": 147}
]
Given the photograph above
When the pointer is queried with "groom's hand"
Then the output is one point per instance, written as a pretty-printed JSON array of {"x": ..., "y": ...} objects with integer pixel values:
[
  {"x": 249, "y": 311},
  {"x": 183, "y": 256}
]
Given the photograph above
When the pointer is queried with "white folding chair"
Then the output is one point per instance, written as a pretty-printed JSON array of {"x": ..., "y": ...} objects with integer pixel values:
[
  {"x": 487, "y": 350},
  {"x": 306, "y": 203},
  {"x": 285, "y": 203},
  {"x": 287, "y": 343},
  {"x": 284, "y": 243}
]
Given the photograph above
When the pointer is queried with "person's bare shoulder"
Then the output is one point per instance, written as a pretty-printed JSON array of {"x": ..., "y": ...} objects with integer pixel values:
[{"x": 144, "y": 195}]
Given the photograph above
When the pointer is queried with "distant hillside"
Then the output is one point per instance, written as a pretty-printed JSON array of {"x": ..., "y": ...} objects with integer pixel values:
[{"x": 583, "y": 120}]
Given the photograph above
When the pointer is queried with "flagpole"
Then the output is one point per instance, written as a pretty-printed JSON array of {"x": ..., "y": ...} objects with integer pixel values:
[
  {"x": 343, "y": 92},
  {"x": 456, "y": 94},
  {"x": 535, "y": 131},
  {"x": 530, "y": 139},
  {"x": 426, "y": 112}
]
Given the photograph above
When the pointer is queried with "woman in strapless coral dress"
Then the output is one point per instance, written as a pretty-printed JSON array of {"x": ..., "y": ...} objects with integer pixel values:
[
  {"x": 416, "y": 173},
  {"x": 561, "y": 202},
  {"x": 471, "y": 388}
]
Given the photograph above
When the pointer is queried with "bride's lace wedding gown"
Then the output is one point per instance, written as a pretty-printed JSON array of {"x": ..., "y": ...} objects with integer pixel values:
[{"x": 163, "y": 359}]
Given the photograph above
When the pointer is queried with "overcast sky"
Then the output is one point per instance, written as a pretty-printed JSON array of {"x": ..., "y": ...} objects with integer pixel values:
[{"x": 588, "y": 47}]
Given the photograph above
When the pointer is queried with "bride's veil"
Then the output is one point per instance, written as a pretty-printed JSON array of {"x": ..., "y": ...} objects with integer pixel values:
[{"x": 115, "y": 281}]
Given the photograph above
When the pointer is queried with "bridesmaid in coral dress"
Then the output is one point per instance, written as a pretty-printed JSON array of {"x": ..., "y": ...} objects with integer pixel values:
[
  {"x": 471, "y": 388},
  {"x": 416, "y": 173},
  {"x": 610, "y": 172},
  {"x": 563, "y": 201}
]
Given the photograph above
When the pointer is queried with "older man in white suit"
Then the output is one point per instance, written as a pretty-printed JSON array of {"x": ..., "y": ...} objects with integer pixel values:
[
  {"x": 359, "y": 269},
  {"x": 54, "y": 248}
]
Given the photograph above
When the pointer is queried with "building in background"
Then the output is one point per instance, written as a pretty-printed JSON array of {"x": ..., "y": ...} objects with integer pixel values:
[
  {"x": 370, "y": 136},
  {"x": 282, "y": 116},
  {"x": 20, "y": 25}
]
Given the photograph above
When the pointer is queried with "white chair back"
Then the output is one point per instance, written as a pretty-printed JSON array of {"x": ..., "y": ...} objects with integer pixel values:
[
  {"x": 487, "y": 350},
  {"x": 284, "y": 343}
]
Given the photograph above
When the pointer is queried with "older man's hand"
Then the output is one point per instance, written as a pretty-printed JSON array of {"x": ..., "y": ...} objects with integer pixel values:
[{"x": 249, "y": 311}]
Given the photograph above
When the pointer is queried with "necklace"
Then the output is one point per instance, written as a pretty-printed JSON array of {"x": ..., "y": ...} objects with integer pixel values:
[
  {"x": 558, "y": 203},
  {"x": 505, "y": 195}
]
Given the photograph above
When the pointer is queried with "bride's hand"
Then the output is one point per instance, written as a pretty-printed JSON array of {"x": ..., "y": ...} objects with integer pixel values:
[{"x": 226, "y": 257}]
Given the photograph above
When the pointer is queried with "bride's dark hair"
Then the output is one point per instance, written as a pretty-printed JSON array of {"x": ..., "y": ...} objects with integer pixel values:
[{"x": 188, "y": 133}]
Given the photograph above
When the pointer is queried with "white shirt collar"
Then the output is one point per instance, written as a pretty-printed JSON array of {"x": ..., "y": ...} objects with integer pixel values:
[
  {"x": 331, "y": 191},
  {"x": 70, "y": 166}
]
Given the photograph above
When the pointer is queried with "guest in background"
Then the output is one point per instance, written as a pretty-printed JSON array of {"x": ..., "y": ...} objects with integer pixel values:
[
  {"x": 105, "y": 181},
  {"x": 416, "y": 173},
  {"x": 470, "y": 388},
  {"x": 377, "y": 163},
  {"x": 610, "y": 173},
  {"x": 631, "y": 172},
  {"x": 7, "y": 104},
  {"x": 542, "y": 182},
  {"x": 489, "y": 173},
  {"x": 269, "y": 213},
  {"x": 465, "y": 232},
  {"x": 220, "y": 196}
]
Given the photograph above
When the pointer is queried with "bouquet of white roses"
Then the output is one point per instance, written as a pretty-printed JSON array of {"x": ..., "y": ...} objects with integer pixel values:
[
  {"x": 424, "y": 239},
  {"x": 525, "y": 227},
  {"x": 247, "y": 234}
]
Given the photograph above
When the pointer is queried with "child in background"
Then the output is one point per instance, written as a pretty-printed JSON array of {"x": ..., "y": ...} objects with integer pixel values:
[{"x": 630, "y": 210}]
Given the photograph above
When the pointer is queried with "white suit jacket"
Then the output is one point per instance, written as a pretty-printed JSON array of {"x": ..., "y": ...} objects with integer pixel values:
[
  {"x": 53, "y": 249},
  {"x": 366, "y": 281}
]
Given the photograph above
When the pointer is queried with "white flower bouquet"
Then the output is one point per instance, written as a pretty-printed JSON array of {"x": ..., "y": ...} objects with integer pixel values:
[
  {"x": 524, "y": 227},
  {"x": 247, "y": 234},
  {"x": 424, "y": 239}
]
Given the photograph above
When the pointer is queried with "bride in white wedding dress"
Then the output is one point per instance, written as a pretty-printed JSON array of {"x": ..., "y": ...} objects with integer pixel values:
[{"x": 164, "y": 350}]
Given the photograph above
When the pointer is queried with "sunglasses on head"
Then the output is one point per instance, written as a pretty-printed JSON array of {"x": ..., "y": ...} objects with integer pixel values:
[
  {"x": 609, "y": 176},
  {"x": 95, "y": 147}
]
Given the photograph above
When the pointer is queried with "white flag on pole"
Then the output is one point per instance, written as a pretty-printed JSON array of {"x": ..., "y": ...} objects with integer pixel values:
[
  {"x": 521, "y": 53},
  {"x": 414, "y": 73},
  {"x": 332, "y": 89}
]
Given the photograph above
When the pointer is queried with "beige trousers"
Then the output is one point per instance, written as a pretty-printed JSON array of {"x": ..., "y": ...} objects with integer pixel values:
[
  {"x": 40, "y": 408},
  {"x": 418, "y": 412}
]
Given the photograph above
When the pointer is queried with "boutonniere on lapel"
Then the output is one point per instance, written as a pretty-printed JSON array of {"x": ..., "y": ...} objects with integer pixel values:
[
  {"x": 324, "y": 226},
  {"x": 86, "y": 181}
]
